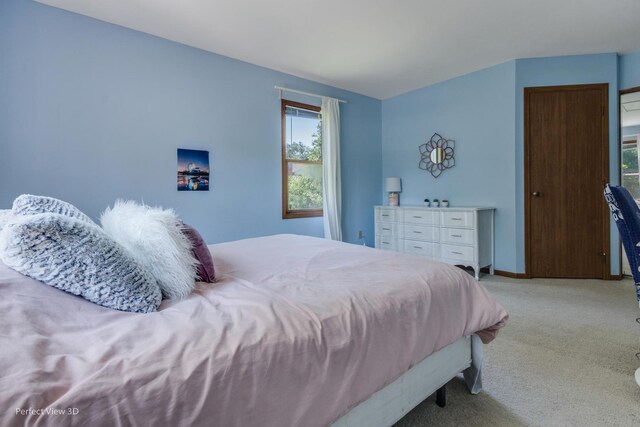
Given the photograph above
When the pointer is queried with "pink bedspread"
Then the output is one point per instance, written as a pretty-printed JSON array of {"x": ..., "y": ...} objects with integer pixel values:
[{"x": 297, "y": 331}]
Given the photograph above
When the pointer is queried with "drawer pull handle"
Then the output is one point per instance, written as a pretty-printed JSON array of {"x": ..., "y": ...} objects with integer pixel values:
[
  {"x": 415, "y": 216},
  {"x": 456, "y": 219},
  {"x": 385, "y": 243},
  {"x": 418, "y": 232},
  {"x": 385, "y": 214},
  {"x": 418, "y": 247},
  {"x": 456, "y": 235},
  {"x": 457, "y": 253},
  {"x": 386, "y": 229}
]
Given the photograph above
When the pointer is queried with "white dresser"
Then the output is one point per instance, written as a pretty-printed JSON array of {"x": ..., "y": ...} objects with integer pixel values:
[{"x": 460, "y": 236}]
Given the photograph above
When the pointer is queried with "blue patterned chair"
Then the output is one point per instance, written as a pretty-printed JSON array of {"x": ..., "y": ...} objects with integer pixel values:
[{"x": 626, "y": 214}]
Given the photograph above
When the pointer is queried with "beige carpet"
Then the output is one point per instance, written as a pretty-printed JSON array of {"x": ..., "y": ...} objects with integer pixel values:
[{"x": 565, "y": 358}]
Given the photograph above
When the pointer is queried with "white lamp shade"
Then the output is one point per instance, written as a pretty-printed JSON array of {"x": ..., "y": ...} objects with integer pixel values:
[{"x": 393, "y": 185}]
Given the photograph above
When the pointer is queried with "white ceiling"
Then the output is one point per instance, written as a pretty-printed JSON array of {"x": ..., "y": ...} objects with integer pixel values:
[{"x": 376, "y": 47}]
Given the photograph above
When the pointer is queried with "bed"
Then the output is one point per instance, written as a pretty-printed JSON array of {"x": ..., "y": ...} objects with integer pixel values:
[{"x": 297, "y": 331}]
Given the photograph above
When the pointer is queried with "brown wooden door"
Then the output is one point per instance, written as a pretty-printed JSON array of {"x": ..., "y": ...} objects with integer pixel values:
[{"x": 566, "y": 167}]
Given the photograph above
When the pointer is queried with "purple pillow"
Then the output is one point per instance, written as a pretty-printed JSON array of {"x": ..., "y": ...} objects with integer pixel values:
[{"x": 206, "y": 272}]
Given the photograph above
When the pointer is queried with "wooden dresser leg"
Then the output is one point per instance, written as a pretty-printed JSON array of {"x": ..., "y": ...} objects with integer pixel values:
[{"x": 441, "y": 396}]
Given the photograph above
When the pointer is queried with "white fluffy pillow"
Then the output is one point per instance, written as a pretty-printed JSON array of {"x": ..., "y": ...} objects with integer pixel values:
[
  {"x": 6, "y": 215},
  {"x": 155, "y": 239}
]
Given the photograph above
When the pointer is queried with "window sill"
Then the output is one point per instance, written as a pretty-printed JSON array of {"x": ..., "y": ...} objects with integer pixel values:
[{"x": 311, "y": 213}]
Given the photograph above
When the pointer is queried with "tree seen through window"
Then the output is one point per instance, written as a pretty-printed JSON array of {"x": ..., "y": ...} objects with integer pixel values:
[{"x": 302, "y": 160}]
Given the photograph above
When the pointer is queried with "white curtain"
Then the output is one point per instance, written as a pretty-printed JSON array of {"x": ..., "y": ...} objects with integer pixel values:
[{"x": 332, "y": 194}]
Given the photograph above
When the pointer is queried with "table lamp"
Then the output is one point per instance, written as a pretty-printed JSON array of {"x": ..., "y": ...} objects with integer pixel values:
[{"x": 393, "y": 186}]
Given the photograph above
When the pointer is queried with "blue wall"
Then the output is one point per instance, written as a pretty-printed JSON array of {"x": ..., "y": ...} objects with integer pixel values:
[
  {"x": 478, "y": 112},
  {"x": 91, "y": 112},
  {"x": 630, "y": 70},
  {"x": 567, "y": 70},
  {"x": 483, "y": 112}
]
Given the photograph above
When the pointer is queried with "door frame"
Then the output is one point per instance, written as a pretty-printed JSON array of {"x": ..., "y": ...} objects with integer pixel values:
[
  {"x": 620, "y": 93},
  {"x": 606, "y": 241}
]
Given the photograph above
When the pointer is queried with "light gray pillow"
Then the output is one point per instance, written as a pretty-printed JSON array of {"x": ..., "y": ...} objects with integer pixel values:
[
  {"x": 28, "y": 204},
  {"x": 78, "y": 257}
]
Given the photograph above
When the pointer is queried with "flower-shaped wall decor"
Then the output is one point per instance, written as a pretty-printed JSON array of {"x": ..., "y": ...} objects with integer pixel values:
[{"x": 437, "y": 155}]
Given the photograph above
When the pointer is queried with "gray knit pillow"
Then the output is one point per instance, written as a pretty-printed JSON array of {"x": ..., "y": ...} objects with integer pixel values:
[
  {"x": 78, "y": 257},
  {"x": 28, "y": 204}
]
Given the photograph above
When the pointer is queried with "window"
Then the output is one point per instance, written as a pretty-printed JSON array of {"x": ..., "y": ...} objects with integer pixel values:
[
  {"x": 630, "y": 172},
  {"x": 301, "y": 160}
]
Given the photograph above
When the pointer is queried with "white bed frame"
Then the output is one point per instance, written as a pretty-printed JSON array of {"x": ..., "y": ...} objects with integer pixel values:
[{"x": 394, "y": 401}]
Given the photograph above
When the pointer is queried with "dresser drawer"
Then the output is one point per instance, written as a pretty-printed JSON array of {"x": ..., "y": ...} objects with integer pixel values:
[
  {"x": 421, "y": 232},
  {"x": 457, "y": 219},
  {"x": 425, "y": 249},
  {"x": 421, "y": 217},
  {"x": 387, "y": 229},
  {"x": 457, "y": 253},
  {"x": 460, "y": 236},
  {"x": 386, "y": 243},
  {"x": 386, "y": 214}
]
